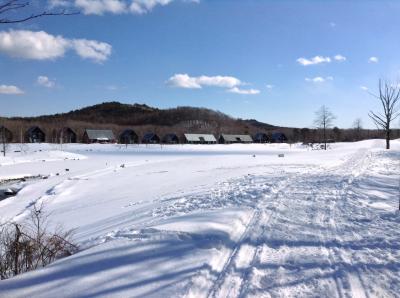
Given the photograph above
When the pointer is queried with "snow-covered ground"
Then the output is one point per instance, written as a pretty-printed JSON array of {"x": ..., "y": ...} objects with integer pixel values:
[{"x": 213, "y": 221}]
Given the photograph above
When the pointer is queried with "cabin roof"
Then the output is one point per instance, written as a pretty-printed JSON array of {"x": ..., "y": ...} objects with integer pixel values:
[
  {"x": 33, "y": 128},
  {"x": 67, "y": 130},
  {"x": 128, "y": 131},
  {"x": 194, "y": 137},
  {"x": 100, "y": 134},
  {"x": 277, "y": 134},
  {"x": 149, "y": 135},
  {"x": 235, "y": 138}
]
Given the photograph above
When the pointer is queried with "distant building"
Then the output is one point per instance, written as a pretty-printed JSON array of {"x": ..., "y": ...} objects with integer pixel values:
[
  {"x": 5, "y": 135},
  {"x": 278, "y": 137},
  {"x": 128, "y": 136},
  {"x": 67, "y": 135},
  {"x": 192, "y": 138},
  {"x": 35, "y": 135},
  {"x": 170, "y": 138},
  {"x": 231, "y": 139},
  {"x": 98, "y": 136},
  {"x": 261, "y": 137},
  {"x": 151, "y": 138}
]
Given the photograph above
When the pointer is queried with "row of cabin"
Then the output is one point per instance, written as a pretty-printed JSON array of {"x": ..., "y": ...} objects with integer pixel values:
[{"x": 35, "y": 135}]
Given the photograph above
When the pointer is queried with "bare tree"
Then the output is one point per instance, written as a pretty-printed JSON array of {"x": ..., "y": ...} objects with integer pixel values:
[
  {"x": 10, "y": 12},
  {"x": 3, "y": 140},
  {"x": 357, "y": 126},
  {"x": 337, "y": 132},
  {"x": 323, "y": 121},
  {"x": 389, "y": 96}
]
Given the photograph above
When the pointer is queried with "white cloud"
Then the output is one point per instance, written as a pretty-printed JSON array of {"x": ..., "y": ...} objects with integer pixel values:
[
  {"x": 101, "y": 7},
  {"x": 10, "y": 90},
  {"x": 314, "y": 60},
  {"x": 55, "y": 3},
  {"x": 40, "y": 45},
  {"x": 319, "y": 79},
  {"x": 340, "y": 58},
  {"x": 37, "y": 45},
  {"x": 231, "y": 83},
  {"x": 373, "y": 59},
  {"x": 237, "y": 90},
  {"x": 45, "y": 82},
  {"x": 268, "y": 86},
  {"x": 218, "y": 81},
  {"x": 92, "y": 49},
  {"x": 186, "y": 81},
  {"x": 145, "y": 6},
  {"x": 364, "y": 88},
  {"x": 320, "y": 59}
]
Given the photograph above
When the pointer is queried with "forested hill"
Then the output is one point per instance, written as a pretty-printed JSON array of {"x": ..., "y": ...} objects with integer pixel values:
[{"x": 141, "y": 117}]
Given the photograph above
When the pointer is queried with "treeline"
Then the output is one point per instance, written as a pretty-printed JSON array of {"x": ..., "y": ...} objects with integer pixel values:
[
  {"x": 143, "y": 119},
  {"x": 309, "y": 135},
  {"x": 52, "y": 130}
]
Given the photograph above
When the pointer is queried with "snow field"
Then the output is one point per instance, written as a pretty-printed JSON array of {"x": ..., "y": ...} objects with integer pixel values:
[{"x": 214, "y": 221}]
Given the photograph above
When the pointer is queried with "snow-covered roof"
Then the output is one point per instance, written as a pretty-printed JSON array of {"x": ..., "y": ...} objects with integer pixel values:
[
  {"x": 237, "y": 138},
  {"x": 100, "y": 134},
  {"x": 194, "y": 137}
]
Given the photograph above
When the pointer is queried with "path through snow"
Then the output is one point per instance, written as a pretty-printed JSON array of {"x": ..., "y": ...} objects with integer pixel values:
[
  {"x": 316, "y": 235},
  {"x": 297, "y": 229}
]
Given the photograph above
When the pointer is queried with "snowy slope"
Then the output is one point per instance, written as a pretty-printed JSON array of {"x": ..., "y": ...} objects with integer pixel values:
[{"x": 217, "y": 221}]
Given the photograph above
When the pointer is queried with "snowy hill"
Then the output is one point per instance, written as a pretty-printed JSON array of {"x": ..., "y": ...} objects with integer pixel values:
[{"x": 214, "y": 221}]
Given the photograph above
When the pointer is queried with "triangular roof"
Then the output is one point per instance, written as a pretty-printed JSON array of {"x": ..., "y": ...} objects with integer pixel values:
[
  {"x": 236, "y": 138},
  {"x": 100, "y": 134},
  {"x": 196, "y": 137},
  {"x": 150, "y": 135},
  {"x": 128, "y": 131},
  {"x": 33, "y": 128}
]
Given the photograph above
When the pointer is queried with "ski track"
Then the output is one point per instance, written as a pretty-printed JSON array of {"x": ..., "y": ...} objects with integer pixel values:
[{"x": 306, "y": 253}]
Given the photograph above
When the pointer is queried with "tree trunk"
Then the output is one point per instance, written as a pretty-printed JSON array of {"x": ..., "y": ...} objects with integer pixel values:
[
  {"x": 4, "y": 141},
  {"x": 16, "y": 250},
  {"x": 387, "y": 138}
]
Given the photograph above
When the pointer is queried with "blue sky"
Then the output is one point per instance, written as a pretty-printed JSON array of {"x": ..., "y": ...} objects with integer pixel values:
[{"x": 275, "y": 61}]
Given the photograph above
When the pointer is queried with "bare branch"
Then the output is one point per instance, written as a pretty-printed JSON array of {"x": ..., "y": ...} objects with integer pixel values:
[
  {"x": 389, "y": 96},
  {"x": 16, "y": 5}
]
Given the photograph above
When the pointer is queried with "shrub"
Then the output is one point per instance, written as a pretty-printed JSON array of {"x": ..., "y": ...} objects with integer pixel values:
[{"x": 27, "y": 246}]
